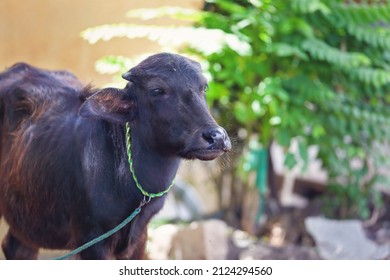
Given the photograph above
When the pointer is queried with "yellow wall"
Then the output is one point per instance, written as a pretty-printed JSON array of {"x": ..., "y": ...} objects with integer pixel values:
[{"x": 46, "y": 33}]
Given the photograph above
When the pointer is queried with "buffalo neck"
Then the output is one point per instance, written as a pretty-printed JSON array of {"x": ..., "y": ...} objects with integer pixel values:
[{"x": 153, "y": 170}]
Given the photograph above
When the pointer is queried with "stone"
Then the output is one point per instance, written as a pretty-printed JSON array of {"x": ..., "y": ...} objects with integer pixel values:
[
  {"x": 344, "y": 240},
  {"x": 201, "y": 241},
  {"x": 160, "y": 241},
  {"x": 207, "y": 240}
]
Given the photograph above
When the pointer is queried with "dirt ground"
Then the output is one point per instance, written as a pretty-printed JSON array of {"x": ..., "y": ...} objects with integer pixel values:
[{"x": 282, "y": 237}]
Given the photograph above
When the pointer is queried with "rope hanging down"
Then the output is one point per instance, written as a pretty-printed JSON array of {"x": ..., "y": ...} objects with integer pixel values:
[
  {"x": 101, "y": 237},
  {"x": 132, "y": 215}
]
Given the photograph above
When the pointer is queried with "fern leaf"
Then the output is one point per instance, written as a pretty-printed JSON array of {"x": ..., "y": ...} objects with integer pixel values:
[
  {"x": 285, "y": 50},
  {"x": 377, "y": 37},
  {"x": 206, "y": 41},
  {"x": 309, "y": 6},
  {"x": 360, "y": 14},
  {"x": 322, "y": 51},
  {"x": 371, "y": 76}
]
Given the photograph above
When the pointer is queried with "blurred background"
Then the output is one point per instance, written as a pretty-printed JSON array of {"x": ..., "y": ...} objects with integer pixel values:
[{"x": 301, "y": 86}]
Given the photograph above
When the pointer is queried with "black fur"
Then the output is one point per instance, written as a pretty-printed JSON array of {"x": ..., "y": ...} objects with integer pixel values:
[{"x": 64, "y": 172}]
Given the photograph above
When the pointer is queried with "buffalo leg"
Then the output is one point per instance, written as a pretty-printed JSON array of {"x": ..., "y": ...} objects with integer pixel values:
[
  {"x": 95, "y": 253},
  {"x": 98, "y": 251},
  {"x": 136, "y": 250},
  {"x": 15, "y": 250},
  {"x": 139, "y": 250}
]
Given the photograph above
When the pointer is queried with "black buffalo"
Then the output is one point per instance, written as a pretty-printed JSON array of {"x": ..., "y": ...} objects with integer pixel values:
[{"x": 64, "y": 170}]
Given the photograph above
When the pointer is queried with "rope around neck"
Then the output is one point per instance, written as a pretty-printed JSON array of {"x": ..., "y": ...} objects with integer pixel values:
[
  {"x": 132, "y": 215},
  {"x": 130, "y": 158}
]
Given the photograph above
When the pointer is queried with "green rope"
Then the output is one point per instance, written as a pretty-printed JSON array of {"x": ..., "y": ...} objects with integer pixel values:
[
  {"x": 101, "y": 237},
  {"x": 130, "y": 158},
  {"x": 132, "y": 215}
]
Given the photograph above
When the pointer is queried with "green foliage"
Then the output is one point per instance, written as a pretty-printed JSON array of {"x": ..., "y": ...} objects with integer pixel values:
[
  {"x": 321, "y": 51},
  {"x": 314, "y": 70},
  {"x": 330, "y": 85}
]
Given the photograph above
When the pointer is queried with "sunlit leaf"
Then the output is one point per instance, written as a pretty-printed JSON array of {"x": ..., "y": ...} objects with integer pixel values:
[{"x": 206, "y": 41}]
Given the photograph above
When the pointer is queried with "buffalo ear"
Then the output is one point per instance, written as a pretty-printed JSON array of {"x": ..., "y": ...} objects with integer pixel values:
[{"x": 111, "y": 104}]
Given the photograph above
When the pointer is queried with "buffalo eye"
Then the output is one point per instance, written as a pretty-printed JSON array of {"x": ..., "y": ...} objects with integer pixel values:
[
  {"x": 158, "y": 92},
  {"x": 204, "y": 89}
]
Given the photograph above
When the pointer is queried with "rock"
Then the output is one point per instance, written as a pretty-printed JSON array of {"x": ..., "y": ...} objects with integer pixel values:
[
  {"x": 341, "y": 240},
  {"x": 160, "y": 241},
  {"x": 206, "y": 240}
]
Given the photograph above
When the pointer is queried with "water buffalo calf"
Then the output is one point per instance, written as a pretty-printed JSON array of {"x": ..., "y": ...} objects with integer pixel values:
[{"x": 64, "y": 170}]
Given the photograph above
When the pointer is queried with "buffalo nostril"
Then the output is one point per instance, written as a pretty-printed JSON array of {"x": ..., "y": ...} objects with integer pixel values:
[
  {"x": 214, "y": 135},
  {"x": 218, "y": 139}
]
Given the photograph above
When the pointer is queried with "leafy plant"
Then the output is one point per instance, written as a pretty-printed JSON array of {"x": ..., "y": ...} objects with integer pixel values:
[{"x": 313, "y": 70}]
